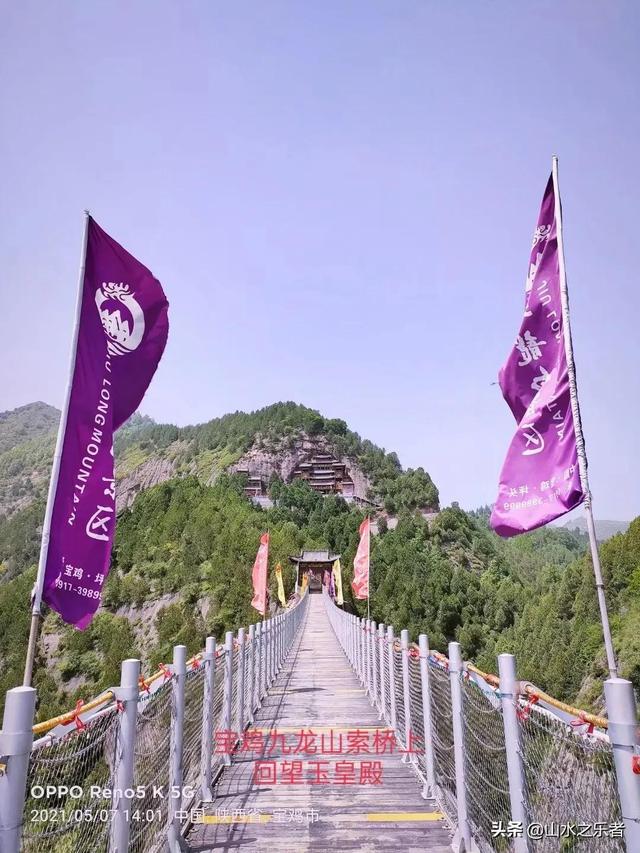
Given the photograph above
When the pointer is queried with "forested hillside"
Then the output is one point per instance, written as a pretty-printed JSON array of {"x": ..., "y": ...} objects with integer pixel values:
[{"x": 184, "y": 550}]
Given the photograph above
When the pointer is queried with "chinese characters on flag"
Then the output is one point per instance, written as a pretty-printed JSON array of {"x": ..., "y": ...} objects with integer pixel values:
[
  {"x": 259, "y": 600},
  {"x": 360, "y": 582},
  {"x": 122, "y": 331},
  {"x": 540, "y": 479}
]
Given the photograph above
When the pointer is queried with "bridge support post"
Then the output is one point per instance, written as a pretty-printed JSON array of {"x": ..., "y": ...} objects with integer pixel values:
[
  {"x": 429, "y": 789},
  {"x": 406, "y": 694},
  {"x": 127, "y": 695},
  {"x": 251, "y": 675},
  {"x": 623, "y": 733},
  {"x": 462, "y": 840},
  {"x": 393, "y": 717},
  {"x": 228, "y": 689},
  {"x": 375, "y": 660},
  {"x": 241, "y": 684},
  {"x": 176, "y": 745},
  {"x": 382, "y": 658},
  {"x": 362, "y": 623},
  {"x": 206, "y": 746},
  {"x": 515, "y": 771},
  {"x": 16, "y": 739}
]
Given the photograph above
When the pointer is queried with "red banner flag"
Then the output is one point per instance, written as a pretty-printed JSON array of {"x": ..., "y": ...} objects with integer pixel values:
[
  {"x": 259, "y": 600},
  {"x": 360, "y": 582}
]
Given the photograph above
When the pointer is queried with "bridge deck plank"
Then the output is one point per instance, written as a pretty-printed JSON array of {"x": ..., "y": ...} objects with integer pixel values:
[{"x": 317, "y": 689}]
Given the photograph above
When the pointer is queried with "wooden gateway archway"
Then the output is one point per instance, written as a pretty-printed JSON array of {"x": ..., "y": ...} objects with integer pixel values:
[{"x": 313, "y": 564}]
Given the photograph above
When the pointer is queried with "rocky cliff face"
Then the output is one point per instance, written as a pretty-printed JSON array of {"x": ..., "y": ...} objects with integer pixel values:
[
  {"x": 25, "y": 465},
  {"x": 150, "y": 473},
  {"x": 280, "y": 459}
]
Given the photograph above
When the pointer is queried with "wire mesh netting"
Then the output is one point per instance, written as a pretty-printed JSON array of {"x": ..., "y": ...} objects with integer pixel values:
[
  {"x": 218, "y": 713},
  {"x": 569, "y": 778},
  {"x": 485, "y": 762},
  {"x": 569, "y": 775},
  {"x": 235, "y": 656},
  {"x": 73, "y": 779},
  {"x": 238, "y": 676},
  {"x": 192, "y": 743},
  {"x": 84, "y": 763},
  {"x": 375, "y": 666},
  {"x": 384, "y": 677},
  {"x": 442, "y": 725},
  {"x": 248, "y": 676},
  {"x": 417, "y": 717},
  {"x": 148, "y": 817},
  {"x": 400, "y": 717},
  {"x": 263, "y": 666},
  {"x": 257, "y": 672}
]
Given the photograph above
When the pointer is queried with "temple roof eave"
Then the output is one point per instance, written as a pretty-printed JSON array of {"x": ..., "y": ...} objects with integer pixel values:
[{"x": 314, "y": 557}]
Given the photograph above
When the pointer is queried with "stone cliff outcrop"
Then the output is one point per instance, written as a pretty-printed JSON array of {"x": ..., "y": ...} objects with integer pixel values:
[
  {"x": 287, "y": 459},
  {"x": 150, "y": 473}
]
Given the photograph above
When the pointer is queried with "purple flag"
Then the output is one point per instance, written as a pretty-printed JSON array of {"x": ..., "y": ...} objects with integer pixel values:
[
  {"x": 122, "y": 332},
  {"x": 540, "y": 479}
]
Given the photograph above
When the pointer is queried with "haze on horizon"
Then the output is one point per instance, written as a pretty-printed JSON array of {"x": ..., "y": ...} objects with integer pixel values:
[{"x": 339, "y": 201}]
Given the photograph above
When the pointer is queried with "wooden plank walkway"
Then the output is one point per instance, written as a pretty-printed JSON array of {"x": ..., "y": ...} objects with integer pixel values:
[{"x": 318, "y": 690}]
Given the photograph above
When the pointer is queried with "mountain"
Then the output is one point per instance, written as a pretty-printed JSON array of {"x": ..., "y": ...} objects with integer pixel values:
[
  {"x": 193, "y": 502},
  {"x": 27, "y": 441},
  {"x": 265, "y": 444},
  {"x": 604, "y": 529},
  {"x": 25, "y": 424}
]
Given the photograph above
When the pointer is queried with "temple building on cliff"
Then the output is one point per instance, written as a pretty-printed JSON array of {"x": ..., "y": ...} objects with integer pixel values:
[
  {"x": 325, "y": 474},
  {"x": 309, "y": 459}
]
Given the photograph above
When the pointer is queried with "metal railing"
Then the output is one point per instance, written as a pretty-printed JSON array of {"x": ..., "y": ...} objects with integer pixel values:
[
  {"x": 500, "y": 757},
  {"x": 125, "y": 772}
]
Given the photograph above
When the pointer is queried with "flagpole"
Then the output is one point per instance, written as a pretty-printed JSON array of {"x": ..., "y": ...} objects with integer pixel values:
[
  {"x": 577, "y": 424},
  {"x": 36, "y": 595},
  {"x": 369, "y": 571},
  {"x": 266, "y": 574}
]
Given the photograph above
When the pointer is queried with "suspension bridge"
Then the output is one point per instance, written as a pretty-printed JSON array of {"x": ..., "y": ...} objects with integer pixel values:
[{"x": 316, "y": 730}]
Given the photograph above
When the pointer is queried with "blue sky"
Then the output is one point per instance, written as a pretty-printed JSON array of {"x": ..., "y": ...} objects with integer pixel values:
[{"x": 338, "y": 198}]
